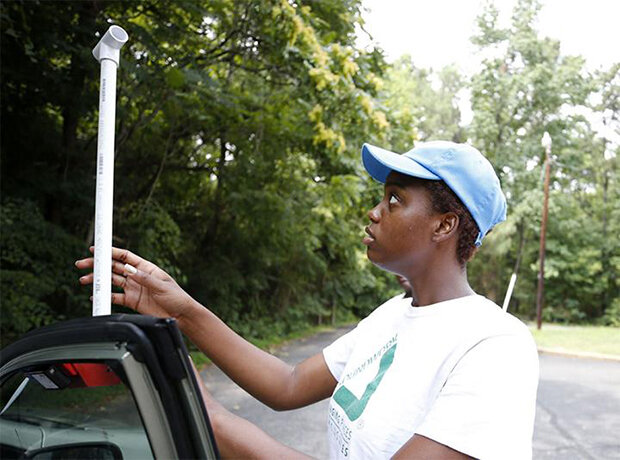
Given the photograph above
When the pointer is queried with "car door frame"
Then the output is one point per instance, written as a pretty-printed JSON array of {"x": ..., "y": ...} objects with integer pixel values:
[{"x": 156, "y": 362}]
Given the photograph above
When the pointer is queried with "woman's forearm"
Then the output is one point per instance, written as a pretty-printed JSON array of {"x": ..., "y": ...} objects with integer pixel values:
[
  {"x": 238, "y": 438},
  {"x": 261, "y": 374}
]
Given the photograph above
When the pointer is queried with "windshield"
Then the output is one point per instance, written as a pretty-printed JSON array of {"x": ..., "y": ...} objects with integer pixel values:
[{"x": 67, "y": 404}]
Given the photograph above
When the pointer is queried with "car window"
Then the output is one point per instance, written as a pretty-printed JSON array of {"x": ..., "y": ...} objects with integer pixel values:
[{"x": 81, "y": 407}]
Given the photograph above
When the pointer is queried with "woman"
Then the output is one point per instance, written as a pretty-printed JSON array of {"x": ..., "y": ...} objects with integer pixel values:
[{"x": 446, "y": 375}]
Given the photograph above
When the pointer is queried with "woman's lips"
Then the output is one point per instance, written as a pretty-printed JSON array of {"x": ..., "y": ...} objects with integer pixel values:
[{"x": 369, "y": 238}]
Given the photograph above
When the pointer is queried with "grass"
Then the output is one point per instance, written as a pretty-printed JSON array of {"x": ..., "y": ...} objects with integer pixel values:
[
  {"x": 583, "y": 339},
  {"x": 270, "y": 343},
  {"x": 199, "y": 358},
  {"x": 589, "y": 339}
]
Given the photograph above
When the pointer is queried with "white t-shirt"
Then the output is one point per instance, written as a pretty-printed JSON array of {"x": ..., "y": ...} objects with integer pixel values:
[{"x": 462, "y": 373}]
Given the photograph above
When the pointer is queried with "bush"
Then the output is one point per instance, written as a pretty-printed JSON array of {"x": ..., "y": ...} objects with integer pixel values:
[
  {"x": 612, "y": 314},
  {"x": 38, "y": 282}
]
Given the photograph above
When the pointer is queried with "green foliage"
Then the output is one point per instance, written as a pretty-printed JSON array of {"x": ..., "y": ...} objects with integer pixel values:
[
  {"x": 237, "y": 163},
  {"x": 526, "y": 87},
  {"x": 612, "y": 314},
  {"x": 416, "y": 110},
  {"x": 38, "y": 283},
  {"x": 150, "y": 230}
]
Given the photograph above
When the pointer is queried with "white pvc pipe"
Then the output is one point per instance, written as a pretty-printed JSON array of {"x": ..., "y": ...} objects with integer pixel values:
[
  {"x": 107, "y": 52},
  {"x": 511, "y": 286}
]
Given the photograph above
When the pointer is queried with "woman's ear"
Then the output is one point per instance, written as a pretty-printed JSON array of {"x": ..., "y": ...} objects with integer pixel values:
[{"x": 446, "y": 228}]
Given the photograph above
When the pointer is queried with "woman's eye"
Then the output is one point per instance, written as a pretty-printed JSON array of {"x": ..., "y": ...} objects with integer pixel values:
[{"x": 393, "y": 199}]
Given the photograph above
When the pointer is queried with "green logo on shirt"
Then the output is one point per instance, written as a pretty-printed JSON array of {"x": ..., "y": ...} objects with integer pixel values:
[{"x": 354, "y": 407}]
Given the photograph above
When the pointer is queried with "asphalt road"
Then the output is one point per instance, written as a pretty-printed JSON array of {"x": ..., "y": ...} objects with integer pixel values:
[
  {"x": 578, "y": 409},
  {"x": 303, "y": 429},
  {"x": 577, "y": 414}
]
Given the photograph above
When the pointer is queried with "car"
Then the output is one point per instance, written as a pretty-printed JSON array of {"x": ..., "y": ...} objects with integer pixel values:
[{"x": 105, "y": 387}]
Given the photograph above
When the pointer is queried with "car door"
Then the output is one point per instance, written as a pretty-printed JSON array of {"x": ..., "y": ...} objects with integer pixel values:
[{"x": 117, "y": 387}]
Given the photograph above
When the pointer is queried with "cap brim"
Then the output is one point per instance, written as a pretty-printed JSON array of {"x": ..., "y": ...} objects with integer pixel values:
[{"x": 380, "y": 162}]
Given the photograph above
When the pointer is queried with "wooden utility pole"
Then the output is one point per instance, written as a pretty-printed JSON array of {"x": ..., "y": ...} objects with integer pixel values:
[{"x": 546, "y": 143}]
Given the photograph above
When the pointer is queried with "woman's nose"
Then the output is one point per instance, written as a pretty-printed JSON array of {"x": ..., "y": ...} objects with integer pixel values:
[{"x": 374, "y": 214}]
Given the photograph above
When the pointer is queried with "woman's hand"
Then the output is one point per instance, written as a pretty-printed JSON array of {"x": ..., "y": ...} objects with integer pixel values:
[{"x": 147, "y": 288}]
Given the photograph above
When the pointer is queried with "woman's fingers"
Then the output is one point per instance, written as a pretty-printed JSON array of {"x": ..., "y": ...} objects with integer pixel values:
[
  {"x": 123, "y": 263},
  {"x": 126, "y": 257},
  {"x": 85, "y": 263},
  {"x": 121, "y": 255},
  {"x": 118, "y": 267},
  {"x": 86, "y": 279},
  {"x": 142, "y": 278},
  {"x": 118, "y": 280},
  {"x": 119, "y": 299}
]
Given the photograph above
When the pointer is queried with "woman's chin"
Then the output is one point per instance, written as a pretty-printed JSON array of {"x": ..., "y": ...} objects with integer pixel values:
[{"x": 375, "y": 258}]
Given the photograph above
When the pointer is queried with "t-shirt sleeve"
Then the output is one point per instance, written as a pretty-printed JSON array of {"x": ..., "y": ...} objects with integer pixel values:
[
  {"x": 486, "y": 407},
  {"x": 337, "y": 354}
]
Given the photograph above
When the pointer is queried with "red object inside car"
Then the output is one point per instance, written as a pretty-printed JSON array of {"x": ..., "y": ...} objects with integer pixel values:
[{"x": 92, "y": 374}]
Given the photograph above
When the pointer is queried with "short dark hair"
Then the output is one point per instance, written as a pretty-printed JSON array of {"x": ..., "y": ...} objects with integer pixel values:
[{"x": 443, "y": 200}]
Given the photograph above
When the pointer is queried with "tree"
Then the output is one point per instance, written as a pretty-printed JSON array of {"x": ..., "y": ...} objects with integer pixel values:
[
  {"x": 527, "y": 87},
  {"x": 418, "y": 111},
  {"x": 237, "y": 170}
]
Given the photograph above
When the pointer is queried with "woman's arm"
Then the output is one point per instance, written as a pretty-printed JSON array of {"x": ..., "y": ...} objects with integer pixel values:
[
  {"x": 150, "y": 290},
  {"x": 238, "y": 438},
  {"x": 267, "y": 378}
]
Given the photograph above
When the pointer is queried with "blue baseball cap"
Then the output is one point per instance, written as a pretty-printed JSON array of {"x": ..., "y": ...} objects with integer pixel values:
[{"x": 462, "y": 167}]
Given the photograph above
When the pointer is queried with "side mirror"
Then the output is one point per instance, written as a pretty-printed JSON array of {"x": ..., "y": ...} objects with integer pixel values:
[{"x": 85, "y": 451}]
